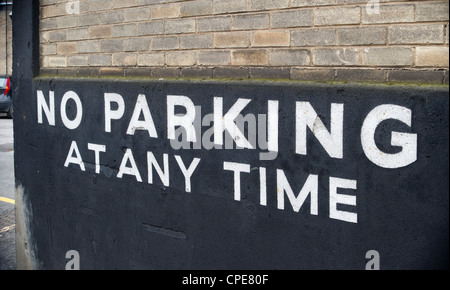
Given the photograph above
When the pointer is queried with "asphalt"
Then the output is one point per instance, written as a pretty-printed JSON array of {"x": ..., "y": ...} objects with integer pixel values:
[{"x": 7, "y": 216}]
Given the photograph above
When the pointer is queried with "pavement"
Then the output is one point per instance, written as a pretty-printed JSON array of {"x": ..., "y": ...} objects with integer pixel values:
[{"x": 7, "y": 215}]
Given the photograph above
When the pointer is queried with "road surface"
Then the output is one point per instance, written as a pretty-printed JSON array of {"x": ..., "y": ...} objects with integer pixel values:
[{"x": 7, "y": 217}]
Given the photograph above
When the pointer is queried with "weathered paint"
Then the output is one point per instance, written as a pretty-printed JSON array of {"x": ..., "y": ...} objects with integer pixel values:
[{"x": 25, "y": 256}]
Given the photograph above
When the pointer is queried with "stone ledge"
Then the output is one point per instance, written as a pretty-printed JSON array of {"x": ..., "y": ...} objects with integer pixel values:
[{"x": 329, "y": 74}]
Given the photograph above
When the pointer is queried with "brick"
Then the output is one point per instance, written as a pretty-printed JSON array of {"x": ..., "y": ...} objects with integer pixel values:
[
  {"x": 387, "y": 56},
  {"x": 196, "y": 41},
  {"x": 98, "y": 5},
  {"x": 150, "y": 28},
  {"x": 251, "y": 21},
  {"x": 311, "y": 3},
  {"x": 48, "y": 71},
  {"x": 181, "y": 58},
  {"x": 302, "y": 74},
  {"x": 137, "y": 72},
  {"x": 217, "y": 23},
  {"x": 215, "y": 57},
  {"x": 180, "y": 26},
  {"x": 53, "y": 10},
  {"x": 390, "y": 14},
  {"x": 270, "y": 73},
  {"x": 360, "y": 1},
  {"x": 165, "y": 11},
  {"x": 99, "y": 60},
  {"x": 136, "y": 14},
  {"x": 111, "y": 45},
  {"x": 271, "y": 38},
  {"x": 313, "y": 37},
  {"x": 47, "y": 24},
  {"x": 257, "y": 5},
  {"x": 77, "y": 60},
  {"x": 416, "y": 34},
  {"x": 83, "y": 8},
  {"x": 151, "y": 59},
  {"x": 197, "y": 73},
  {"x": 43, "y": 62},
  {"x": 88, "y": 71},
  {"x": 229, "y": 6},
  {"x": 361, "y": 75},
  {"x": 111, "y": 71},
  {"x": 164, "y": 72},
  {"x": 43, "y": 37},
  {"x": 408, "y": 76},
  {"x": 67, "y": 21},
  {"x": 48, "y": 49},
  {"x": 435, "y": 11},
  {"x": 124, "y": 59},
  {"x": 164, "y": 43},
  {"x": 232, "y": 39},
  {"x": 231, "y": 72},
  {"x": 99, "y": 32},
  {"x": 123, "y": 30},
  {"x": 67, "y": 48},
  {"x": 88, "y": 19},
  {"x": 136, "y": 44},
  {"x": 337, "y": 16},
  {"x": 336, "y": 57},
  {"x": 48, "y": 2},
  {"x": 68, "y": 72},
  {"x": 151, "y": 2},
  {"x": 297, "y": 57},
  {"x": 196, "y": 8},
  {"x": 362, "y": 35},
  {"x": 57, "y": 35},
  {"x": 287, "y": 19},
  {"x": 57, "y": 61},
  {"x": 111, "y": 17},
  {"x": 435, "y": 56},
  {"x": 124, "y": 3},
  {"x": 77, "y": 34},
  {"x": 250, "y": 57},
  {"x": 88, "y": 46}
]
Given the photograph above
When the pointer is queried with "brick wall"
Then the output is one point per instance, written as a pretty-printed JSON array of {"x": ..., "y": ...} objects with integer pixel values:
[
  {"x": 5, "y": 40},
  {"x": 319, "y": 40}
]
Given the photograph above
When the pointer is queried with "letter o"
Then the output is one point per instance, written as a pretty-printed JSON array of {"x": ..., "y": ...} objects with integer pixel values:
[{"x": 71, "y": 124}]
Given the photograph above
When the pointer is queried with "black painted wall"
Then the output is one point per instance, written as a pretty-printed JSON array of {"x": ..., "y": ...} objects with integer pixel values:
[{"x": 123, "y": 223}]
